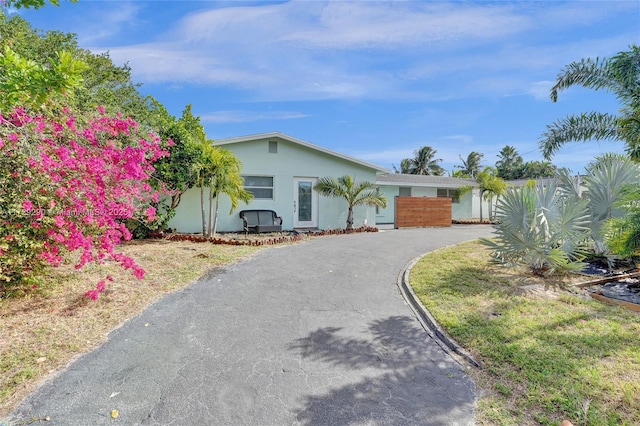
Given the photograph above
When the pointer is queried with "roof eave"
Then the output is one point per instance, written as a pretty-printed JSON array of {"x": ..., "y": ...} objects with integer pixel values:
[{"x": 240, "y": 139}]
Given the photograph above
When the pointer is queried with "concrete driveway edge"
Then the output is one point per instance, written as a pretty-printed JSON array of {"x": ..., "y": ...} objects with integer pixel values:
[{"x": 427, "y": 320}]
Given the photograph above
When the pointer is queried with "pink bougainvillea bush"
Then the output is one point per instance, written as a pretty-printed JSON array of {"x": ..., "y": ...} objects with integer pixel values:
[{"x": 66, "y": 186}]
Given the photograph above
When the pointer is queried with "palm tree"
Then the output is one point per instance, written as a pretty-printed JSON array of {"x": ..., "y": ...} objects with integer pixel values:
[
  {"x": 218, "y": 170},
  {"x": 510, "y": 164},
  {"x": 355, "y": 193},
  {"x": 422, "y": 163},
  {"x": 491, "y": 185},
  {"x": 540, "y": 229},
  {"x": 471, "y": 166},
  {"x": 204, "y": 167},
  {"x": 607, "y": 180},
  {"x": 621, "y": 75},
  {"x": 405, "y": 167},
  {"x": 226, "y": 180}
]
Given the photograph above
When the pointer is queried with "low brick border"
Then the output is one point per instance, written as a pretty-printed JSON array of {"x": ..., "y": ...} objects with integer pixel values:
[
  {"x": 472, "y": 222},
  {"x": 268, "y": 241}
]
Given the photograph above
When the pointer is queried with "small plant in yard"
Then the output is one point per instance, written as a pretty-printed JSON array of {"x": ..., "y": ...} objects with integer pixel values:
[
  {"x": 557, "y": 223},
  {"x": 623, "y": 233},
  {"x": 541, "y": 228},
  {"x": 547, "y": 354},
  {"x": 354, "y": 193}
]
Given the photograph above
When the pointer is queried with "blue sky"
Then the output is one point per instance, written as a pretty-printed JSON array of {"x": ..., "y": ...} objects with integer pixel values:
[{"x": 375, "y": 80}]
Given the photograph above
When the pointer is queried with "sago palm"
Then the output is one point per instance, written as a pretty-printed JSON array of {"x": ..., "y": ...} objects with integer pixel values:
[
  {"x": 619, "y": 75},
  {"x": 355, "y": 193}
]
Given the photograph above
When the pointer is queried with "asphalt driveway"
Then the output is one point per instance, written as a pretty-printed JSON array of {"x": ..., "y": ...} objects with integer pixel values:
[{"x": 311, "y": 334}]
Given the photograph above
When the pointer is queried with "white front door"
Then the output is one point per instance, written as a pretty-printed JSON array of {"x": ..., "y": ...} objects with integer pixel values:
[{"x": 305, "y": 203}]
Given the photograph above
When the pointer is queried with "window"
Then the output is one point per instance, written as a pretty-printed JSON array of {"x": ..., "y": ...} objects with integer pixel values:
[
  {"x": 404, "y": 191},
  {"x": 451, "y": 193},
  {"x": 273, "y": 147},
  {"x": 260, "y": 186}
]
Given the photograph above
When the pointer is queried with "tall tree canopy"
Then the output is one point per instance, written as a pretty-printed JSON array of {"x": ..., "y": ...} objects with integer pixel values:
[
  {"x": 28, "y": 4},
  {"x": 538, "y": 169},
  {"x": 471, "y": 165},
  {"x": 423, "y": 162},
  {"x": 510, "y": 165},
  {"x": 101, "y": 82},
  {"x": 620, "y": 75}
]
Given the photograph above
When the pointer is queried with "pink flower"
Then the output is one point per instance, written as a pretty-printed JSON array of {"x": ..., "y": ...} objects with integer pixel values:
[
  {"x": 92, "y": 178},
  {"x": 92, "y": 294},
  {"x": 151, "y": 214},
  {"x": 59, "y": 221}
]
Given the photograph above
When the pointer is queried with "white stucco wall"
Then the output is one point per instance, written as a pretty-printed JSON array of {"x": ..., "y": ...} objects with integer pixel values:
[{"x": 291, "y": 160}]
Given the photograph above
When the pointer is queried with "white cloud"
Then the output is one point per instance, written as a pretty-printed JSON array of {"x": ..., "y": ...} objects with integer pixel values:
[
  {"x": 349, "y": 25},
  {"x": 540, "y": 90},
  {"x": 250, "y": 116},
  {"x": 109, "y": 22},
  {"x": 327, "y": 50}
]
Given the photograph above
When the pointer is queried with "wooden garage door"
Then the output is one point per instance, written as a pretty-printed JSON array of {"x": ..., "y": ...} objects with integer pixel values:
[{"x": 420, "y": 212}]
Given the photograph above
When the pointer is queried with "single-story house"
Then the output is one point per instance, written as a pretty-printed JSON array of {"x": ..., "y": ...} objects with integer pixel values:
[{"x": 281, "y": 171}]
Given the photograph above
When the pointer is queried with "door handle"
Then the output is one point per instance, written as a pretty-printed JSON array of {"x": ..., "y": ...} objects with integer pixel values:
[{"x": 294, "y": 206}]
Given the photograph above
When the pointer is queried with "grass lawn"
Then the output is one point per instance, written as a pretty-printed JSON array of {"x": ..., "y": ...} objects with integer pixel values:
[
  {"x": 43, "y": 329},
  {"x": 548, "y": 354}
]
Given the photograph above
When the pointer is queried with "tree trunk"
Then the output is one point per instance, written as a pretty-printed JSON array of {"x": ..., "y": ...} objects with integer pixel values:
[
  {"x": 204, "y": 224},
  {"x": 490, "y": 207},
  {"x": 481, "y": 206},
  {"x": 175, "y": 200},
  {"x": 350, "y": 218},
  {"x": 215, "y": 216},
  {"x": 210, "y": 227}
]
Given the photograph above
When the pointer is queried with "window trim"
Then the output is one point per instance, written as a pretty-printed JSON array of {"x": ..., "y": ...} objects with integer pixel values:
[
  {"x": 451, "y": 193},
  {"x": 250, "y": 188}
]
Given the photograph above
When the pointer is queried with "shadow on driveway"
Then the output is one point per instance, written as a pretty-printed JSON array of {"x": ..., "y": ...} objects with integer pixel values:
[{"x": 409, "y": 386}]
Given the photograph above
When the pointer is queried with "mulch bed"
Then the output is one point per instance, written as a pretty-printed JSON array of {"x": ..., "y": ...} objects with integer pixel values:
[{"x": 273, "y": 238}]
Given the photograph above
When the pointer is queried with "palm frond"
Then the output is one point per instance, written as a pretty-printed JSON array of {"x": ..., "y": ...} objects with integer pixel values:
[
  {"x": 578, "y": 128},
  {"x": 589, "y": 73},
  {"x": 541, "y": 228}
]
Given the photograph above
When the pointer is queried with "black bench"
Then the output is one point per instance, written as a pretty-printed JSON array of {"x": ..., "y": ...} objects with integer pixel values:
[{"x": 260, "y": 221}]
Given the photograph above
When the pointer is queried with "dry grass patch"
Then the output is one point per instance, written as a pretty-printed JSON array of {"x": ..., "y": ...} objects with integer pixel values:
[
  {"x": 549, "y": 352},
  {"x": 44, "y": 328}
]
